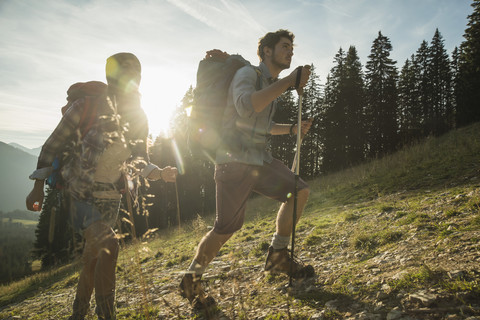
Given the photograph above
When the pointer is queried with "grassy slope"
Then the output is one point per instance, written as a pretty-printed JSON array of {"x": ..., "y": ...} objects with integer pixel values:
[{"x": 376, "y": 234}]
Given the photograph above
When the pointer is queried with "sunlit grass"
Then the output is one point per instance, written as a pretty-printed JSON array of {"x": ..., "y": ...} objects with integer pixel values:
[
  {"x": 31, "y": 284},
  {"x": 367, "y": 209}
]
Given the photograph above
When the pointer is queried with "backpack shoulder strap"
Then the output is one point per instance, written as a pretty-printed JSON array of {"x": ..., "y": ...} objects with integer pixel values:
[{"x": 258, "y": 85}]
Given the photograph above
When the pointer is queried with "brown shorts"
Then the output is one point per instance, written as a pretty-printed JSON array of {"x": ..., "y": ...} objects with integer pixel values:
[{"x": 235, "y": 183}]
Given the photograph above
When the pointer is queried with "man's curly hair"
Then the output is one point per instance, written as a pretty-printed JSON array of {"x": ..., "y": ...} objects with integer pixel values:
[{"x": 271, "y": 39}]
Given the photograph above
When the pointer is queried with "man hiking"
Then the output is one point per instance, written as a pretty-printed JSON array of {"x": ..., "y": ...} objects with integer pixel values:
[
  {"x": 93, "y": 172},
  {"x": 244, "y": 164}
]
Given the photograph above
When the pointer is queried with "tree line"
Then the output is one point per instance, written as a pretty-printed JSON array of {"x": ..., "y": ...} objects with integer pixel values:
[
  {"x": 362, "y": 112},
  {"x": 16, "y": 240}
]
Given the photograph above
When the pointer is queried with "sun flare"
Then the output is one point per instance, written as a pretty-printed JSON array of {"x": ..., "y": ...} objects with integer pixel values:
[
  {"x": 158, "y": 113},
  {"x": 159, "y": 100}
]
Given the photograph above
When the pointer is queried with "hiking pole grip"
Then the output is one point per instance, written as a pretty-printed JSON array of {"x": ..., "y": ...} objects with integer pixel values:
[{"x": 297, "y": 80}]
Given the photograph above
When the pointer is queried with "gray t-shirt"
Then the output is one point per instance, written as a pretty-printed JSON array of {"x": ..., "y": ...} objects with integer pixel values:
[{"x": 247, "y": 130}]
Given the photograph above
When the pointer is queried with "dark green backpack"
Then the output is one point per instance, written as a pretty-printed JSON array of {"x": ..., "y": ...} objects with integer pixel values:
[{"x": 214, "y": 75}]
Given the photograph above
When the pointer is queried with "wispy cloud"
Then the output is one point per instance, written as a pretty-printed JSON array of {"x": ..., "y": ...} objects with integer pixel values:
[
  {"x": 333, "y": 7},
  {"x": 225, "y": 16},
  {"x": 47, "y": 45}
]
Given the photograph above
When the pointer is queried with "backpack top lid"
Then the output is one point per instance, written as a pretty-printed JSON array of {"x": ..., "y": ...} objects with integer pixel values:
[
  {"x": 83, "y": 89},
  {"x": 214, "y": 75}
]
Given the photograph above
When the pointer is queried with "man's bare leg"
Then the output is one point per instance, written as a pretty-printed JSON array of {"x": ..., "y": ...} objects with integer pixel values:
[
  {"x": 285, "y": 213},
  {"x": 208, "y": 248}
]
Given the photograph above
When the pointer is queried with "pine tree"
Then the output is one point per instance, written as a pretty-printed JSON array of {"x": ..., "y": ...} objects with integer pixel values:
[
  {"x": 381, "y": 92},
  {"x": 467, "y": 91},
  {"x": 355, "y": 104},
  {"x": 441, "y": 94},
  {"x": 343, "y": 116},
  {"x": 311, "y": 147},
  {"x": 424, "y": 87},
  {"x": 55, "y": 240},
  {"x": 334, "y": 117},
  {"x": 455, "y": 65},
  {"x": 409, "y": 111},
  {"x": 284, "y": 148},
  {"x": 325, "y": 125}
]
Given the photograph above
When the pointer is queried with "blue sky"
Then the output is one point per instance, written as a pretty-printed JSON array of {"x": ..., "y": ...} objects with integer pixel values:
[{"x": 47, "y": 45}]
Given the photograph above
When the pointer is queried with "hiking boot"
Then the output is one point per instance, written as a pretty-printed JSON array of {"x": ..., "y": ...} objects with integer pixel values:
[
  {"x": 191, "y": 288},
  {"x": 280, "y": 261},
  {"x": 80, "y": 308}
]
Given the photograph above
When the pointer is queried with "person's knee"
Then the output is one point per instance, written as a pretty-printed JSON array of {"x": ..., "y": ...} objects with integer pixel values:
[
  {"x": 220, "y": 237},
  {"x": 302, "y": 196},
  {"x": 226, "y": 231}
]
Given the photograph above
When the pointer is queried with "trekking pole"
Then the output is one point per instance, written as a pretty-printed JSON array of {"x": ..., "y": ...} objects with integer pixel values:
[
  {"x": 129, "y": 197},
  {"x": 296, "y": 166},
  {"x": 178, "y": 206}
]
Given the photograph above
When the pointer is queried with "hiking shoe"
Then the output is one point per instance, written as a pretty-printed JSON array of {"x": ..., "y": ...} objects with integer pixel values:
[
  {"x": 280, "y": 261},
  {"x": 80, "y": 308},
  {"x": 191, "y": 288}
]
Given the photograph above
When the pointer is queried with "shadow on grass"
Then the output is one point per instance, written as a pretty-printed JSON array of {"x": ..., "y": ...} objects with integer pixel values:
[
  {"x": 315, "y": 296},
  {"x": 30, "y": 286}
]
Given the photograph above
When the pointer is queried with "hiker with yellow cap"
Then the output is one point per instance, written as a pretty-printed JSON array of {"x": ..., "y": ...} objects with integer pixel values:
[{"x": 106, "y": 129}]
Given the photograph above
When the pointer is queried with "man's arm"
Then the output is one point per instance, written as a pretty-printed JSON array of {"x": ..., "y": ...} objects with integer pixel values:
[
  {"x": 167, "y": 174},
  {"x": 34, "y": 199},
  {"x": 282, "y": 128},
  {"x": 262, "y": 98}
]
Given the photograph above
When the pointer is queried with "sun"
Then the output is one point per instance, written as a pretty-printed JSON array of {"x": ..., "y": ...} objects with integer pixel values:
[
  {"x": 163, "y": 87},
  {"x": 159, "y": 112},
  {"x": 159, "y": 101}
]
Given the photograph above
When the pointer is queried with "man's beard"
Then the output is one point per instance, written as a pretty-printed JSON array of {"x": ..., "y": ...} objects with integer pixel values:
[{"x": 278, "y": 64}]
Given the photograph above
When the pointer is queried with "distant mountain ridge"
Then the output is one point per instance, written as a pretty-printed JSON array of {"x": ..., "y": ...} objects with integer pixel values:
[
  {"x": 15, "y": 167},
  {"x": 34, "y": 152}
]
